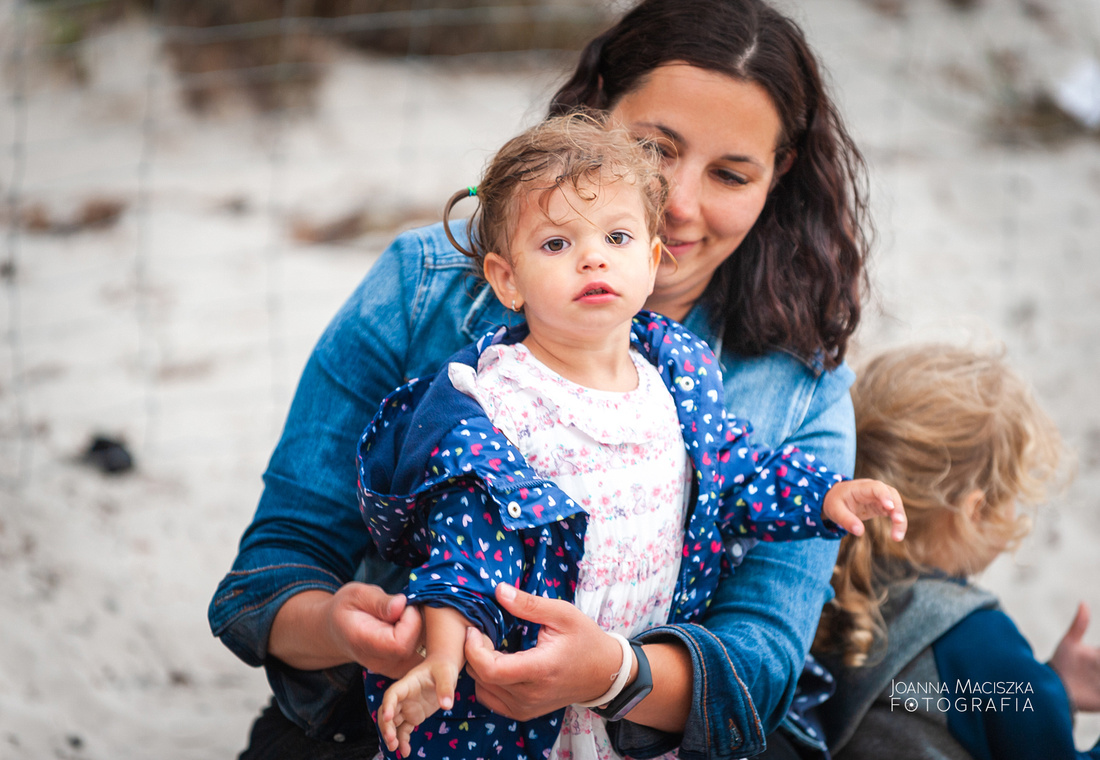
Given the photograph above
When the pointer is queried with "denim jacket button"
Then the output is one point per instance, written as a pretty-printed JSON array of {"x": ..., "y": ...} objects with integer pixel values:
[{"x": 514, "y": 510}]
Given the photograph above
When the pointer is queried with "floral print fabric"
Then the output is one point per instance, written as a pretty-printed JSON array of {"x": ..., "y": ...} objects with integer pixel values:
[{"x": 622, "y": 458}]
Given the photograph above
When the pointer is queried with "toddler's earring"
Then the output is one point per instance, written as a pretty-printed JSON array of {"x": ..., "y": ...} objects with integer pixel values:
[{"x": 514, "y": 305}]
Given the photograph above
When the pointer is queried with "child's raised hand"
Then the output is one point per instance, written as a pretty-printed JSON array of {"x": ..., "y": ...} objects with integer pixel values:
[
  {"x": 409, "y": 701},
  {"x": 851, "y": 502},
  {"x": 1078, "y": 664}
]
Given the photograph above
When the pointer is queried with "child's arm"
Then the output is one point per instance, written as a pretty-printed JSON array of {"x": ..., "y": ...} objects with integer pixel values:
[
  {"x": 1078, "y": 664},
  {"x": 430, "y": 685},
  {"x": 850, "y": 502},
  {"x": 771, "y": 494},
  {"x": 1004, "y": 704}
]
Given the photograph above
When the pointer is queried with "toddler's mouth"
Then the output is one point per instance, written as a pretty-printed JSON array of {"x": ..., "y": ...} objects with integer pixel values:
[{"x": 596, "y": 290}]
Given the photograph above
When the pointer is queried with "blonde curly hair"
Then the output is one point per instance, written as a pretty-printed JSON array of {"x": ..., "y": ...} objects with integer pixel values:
[{"x": 965, "y": 442}]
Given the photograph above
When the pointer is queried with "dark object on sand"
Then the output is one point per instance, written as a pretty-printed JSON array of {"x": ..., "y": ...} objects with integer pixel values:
[{"x": 108, "y": 455}]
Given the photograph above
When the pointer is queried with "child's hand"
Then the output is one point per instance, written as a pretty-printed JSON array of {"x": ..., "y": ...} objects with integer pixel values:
[
  {"x": 852, "y": 501},
  {"x": 1078, "y": 664},
  {"x": 426, "y": 688}
]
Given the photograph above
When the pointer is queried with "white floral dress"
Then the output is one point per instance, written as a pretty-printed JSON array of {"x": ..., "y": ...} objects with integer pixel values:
[{"x": 622, "y": 457}]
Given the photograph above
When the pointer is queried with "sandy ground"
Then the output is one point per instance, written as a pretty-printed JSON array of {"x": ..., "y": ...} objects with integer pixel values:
[{"x": 182, "y": 327}]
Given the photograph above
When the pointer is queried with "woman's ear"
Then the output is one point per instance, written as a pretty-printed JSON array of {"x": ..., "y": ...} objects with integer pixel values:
[
  {"x": 783, "y": 166},
  {"x": 502, "y": 279}
]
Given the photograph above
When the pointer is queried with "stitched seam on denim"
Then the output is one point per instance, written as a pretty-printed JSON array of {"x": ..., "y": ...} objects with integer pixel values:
[
  {"x": 800, "y": 402},
  {"x": 423, "y": 288},
  {"x": 480, "y": 304},
  {"x": 284, "y": 565},
  {"x": 281, "y": 591},
  {"x": 744, "y": 689}
]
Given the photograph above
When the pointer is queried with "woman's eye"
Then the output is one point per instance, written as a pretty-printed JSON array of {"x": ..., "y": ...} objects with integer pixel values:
[
  {"x": 727, "y": 177},
  {"x": 555, "y": 245},
  {"x": 659, "y": 147},
  {"x": 619, "y": 237}
]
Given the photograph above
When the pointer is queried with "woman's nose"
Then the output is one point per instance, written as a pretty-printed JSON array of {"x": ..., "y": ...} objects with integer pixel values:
[{"x": 683, "y": 195}]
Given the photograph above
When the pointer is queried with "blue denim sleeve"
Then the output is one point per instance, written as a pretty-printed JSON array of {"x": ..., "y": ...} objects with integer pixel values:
[
  {"x": 749, "y": 652},
  {"x": 307, "y": 532}
]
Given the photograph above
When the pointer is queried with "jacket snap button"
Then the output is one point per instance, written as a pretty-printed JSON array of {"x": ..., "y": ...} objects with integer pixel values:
[{"x": 514, "y": 510}]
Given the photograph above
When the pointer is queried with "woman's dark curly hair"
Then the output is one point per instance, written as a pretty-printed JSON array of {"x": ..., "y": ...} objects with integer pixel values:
[{"x": 795, "y": 281}]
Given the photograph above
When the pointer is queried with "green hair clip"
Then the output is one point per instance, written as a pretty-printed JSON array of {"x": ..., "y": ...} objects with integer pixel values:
[{"x": 473, "y": 190}]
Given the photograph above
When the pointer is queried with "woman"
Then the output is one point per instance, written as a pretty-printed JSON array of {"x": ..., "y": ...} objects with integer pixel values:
[{"x": 765, "y": 221}]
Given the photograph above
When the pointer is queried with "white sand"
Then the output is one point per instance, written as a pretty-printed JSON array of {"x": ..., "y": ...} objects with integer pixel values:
[{"x": 184, "y": 327}]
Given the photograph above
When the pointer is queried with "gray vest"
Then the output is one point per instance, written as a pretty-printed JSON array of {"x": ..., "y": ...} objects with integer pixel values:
[{"x": 889, "y": 708}]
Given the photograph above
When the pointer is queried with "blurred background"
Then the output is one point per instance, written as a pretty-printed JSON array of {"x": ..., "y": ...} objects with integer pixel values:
[{"x": 189, "y": 190}]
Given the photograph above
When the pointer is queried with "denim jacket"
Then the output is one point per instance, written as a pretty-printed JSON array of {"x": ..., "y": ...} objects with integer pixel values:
[{"x": 417, "y": 306}]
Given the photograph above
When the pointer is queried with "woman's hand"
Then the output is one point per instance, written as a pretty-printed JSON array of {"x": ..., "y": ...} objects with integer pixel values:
[
  {"x": 1078, "y": 664},
  {"x": 574, "y": 661},
  {"x": 359, "y": 623},
  {"x": 850, "y": 502}
]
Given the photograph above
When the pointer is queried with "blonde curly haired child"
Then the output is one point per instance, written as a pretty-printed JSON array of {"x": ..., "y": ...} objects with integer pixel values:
[{"x": 927, "y": 664}]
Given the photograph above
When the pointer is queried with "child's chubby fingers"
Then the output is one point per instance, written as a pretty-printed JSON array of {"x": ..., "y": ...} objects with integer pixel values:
[
  {"x": 838, "y": 507},
  {"x": 405, "y": 745},
  {"x": 873, "y": 498},
  {"x": 889, "y": 501},
  {"x": 899, "y": 519},
  {"x": 387, "y": 720},
  {"x": 845, "y": 518},
  {"x": 445, "y": 682}
]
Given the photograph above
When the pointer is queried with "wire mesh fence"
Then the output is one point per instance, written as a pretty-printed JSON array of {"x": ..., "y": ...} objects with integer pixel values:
[{"x": 115, "y": 115}]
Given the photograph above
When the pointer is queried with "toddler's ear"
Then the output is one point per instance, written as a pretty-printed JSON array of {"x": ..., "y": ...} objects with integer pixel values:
[
  {"x": 502, "y": 279},
  {"x": 972, "y": 504},
  {"x": 658, "y": 251}
]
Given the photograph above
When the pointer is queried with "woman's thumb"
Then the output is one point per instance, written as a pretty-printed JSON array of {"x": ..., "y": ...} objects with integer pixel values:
[{"x": 520, "y": 604}]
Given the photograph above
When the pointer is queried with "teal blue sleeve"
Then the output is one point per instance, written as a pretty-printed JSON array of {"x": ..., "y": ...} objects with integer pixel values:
[{"x": 1004, "y": 704}]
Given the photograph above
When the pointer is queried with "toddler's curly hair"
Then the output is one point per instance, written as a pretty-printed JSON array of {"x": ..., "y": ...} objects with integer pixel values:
[
  {"x": 940, "y": 424},
  {"x": 578, "y": 150}
]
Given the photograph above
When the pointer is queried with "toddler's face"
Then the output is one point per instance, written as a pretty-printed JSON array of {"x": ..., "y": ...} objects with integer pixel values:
[{"x": 583, "y": 263}]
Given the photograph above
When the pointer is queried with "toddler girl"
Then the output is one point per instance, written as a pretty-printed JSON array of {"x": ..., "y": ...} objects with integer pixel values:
[
  {"x": 583, "y": 454},
  {"x": 926, "y": 663}
]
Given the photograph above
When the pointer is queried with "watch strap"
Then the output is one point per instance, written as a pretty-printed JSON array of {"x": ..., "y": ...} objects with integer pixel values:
[{"x": 633, "y": 693}]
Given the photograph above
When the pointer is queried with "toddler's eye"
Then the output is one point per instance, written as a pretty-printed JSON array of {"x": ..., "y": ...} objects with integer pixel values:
[
  {"x": 555, "y": 245},
  {"x": 619, "y": 237}
]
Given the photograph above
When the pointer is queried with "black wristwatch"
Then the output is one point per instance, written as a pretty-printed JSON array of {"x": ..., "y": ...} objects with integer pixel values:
[{"x": 633, "y": 693}]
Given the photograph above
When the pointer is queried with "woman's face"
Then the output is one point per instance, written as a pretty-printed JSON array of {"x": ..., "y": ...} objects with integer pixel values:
[{"x": 719, "y": 137}]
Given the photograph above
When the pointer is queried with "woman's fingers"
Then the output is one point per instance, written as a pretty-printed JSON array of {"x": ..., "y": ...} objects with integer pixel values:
[
  {"x": 573, "y": 660},
  {"x": 379, "y": 631}
]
